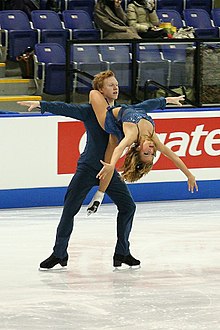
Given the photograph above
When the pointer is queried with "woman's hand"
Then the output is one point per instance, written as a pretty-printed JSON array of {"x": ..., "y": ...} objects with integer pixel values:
[
  {"x": 106, "y": 170},
  {"x": 175, "y": 100},
  {"x": 192, "y": 184},
  {"x": 30, "y": 104}
]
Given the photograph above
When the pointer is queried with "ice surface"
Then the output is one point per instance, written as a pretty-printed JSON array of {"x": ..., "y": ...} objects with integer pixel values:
[{"x": 176, "y": 288}]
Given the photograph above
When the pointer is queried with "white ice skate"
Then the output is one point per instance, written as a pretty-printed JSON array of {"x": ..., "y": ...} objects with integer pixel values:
[{"x": 95, "y": 203}]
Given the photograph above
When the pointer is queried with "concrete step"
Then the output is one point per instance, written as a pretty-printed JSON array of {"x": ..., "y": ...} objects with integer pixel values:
[
  {"x": 16, "y": 86},
  {"x": 9, "y": 103},
  {"x": 2, "y": 70}
]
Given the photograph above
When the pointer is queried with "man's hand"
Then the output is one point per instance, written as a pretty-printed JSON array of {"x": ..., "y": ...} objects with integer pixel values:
[
  {"x": 106, "y": 170},
  {"x": 30, "y": 104}
]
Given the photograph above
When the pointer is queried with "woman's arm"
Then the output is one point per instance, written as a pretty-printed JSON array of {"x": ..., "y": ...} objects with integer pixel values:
[
  {"x": 130, "y": 136},
  {"x": 130, "y": 132},
  {"x": 117, "y": 153},
  {"x": 112, "y": 144},
  {"x": 99, "y": 105},
  {"x": 177, "y": 162}
]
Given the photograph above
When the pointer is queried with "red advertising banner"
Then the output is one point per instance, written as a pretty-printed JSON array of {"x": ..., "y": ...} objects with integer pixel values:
[{"x": 196, "y": 141}]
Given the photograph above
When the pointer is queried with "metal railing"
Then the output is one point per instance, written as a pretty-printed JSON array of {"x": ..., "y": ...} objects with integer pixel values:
[{"x": 197, "y": 82}]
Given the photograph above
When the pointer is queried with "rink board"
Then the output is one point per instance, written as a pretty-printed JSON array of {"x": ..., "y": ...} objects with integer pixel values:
[{"x": 39, "y": 156}]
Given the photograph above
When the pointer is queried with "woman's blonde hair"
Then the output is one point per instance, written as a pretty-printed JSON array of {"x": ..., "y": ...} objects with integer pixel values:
[
  {"x": 133, "y": 168},
  {"x": 99, "y": 78}
]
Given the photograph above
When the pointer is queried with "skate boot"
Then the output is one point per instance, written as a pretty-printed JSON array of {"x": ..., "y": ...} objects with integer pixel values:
[
  {"x": 95, "y": 202},
  {"x": 93, "y": 208},
  {"x": 129, "y": 260},
  {"x": 52, "y": 261}
]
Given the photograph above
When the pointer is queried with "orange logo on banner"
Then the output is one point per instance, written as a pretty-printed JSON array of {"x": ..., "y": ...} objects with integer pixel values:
[{"x": 195, "y": 140}]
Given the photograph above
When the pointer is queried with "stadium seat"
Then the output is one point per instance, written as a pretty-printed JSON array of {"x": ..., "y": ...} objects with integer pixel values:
[
  {"x": 177, "y": 5},
  {"x": 17, "y": 33},
  {"x": 199, "y": 4},
  {"x": 50, "y": 26},
  {"x": 201, "y": 21},
  {"x": 172, "y": 16},
  {"x": 215, "y": 14},
  {"x": 118, "y": 58},
  {"x": 86, "y": 58},
  {"x": 177, "y": 55},
  {"x": 86, "y": 5},
  {"x": 50, "y": 63},
  {"x": 81, "y": 25},
  {"x": 151, "y": 65}
]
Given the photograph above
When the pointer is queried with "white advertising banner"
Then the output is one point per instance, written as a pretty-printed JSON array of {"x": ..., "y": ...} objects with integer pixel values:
[{"x": 39, "y": 151}]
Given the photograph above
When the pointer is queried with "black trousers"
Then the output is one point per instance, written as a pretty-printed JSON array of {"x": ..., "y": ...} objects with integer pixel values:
[{"x": 83, "y": 180}]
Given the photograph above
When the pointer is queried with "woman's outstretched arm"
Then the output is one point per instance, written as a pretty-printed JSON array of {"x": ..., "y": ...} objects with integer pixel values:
[
  {"x": 159, "y": 103},
  {"x": 177, "y": 162}
]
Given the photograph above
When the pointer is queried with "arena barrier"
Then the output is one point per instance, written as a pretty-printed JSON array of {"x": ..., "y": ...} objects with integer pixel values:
[{"x": 39, "y": 155}]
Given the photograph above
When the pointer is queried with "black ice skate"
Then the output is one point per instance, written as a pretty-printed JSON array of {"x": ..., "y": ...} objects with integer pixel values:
[
  {"x": 129, "y": 260},
  {"x": 52, "y": 261}
]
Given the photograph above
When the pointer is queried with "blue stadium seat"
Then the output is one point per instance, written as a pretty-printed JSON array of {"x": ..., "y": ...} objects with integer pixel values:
[
  {"x": 86, "y": 5},
  {"x": 151, "y": 65},
  {"x": 199, "y": 4},
  {"x": 201, "y": 21},
  {"x": 177, "y": 5},
  {"x": 86, "y": 58},
  {"x": 118, "y": 58},
  {"x": 81, "y": 25},
  {"x": 17, "y": 33},
  {"x": 178, "y": 75},
  {"x": 216, "y": 16},
  {"x": 170, "y": 15},
  {"x": 50, "y": 26},
  {"x": 50, "y": 59}
]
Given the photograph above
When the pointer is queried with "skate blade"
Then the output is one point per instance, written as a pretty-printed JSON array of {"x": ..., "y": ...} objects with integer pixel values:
[
  {"x": 54, "y": 269},
  {"x": 124, "y": 268}
]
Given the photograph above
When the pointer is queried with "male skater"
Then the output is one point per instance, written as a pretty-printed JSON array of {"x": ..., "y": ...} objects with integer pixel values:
[{"x": 85, "y": 178}]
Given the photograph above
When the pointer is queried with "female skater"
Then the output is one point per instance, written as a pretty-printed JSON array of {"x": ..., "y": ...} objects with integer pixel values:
[{"x": 130, "y": 128}]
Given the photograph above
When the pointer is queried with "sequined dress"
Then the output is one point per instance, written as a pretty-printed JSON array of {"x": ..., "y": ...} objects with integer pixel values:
[{"x": 132, "y": 114}]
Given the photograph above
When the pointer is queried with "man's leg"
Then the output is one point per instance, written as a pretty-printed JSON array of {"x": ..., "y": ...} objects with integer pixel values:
[
  {"x": 78, "y": 188},
  {"x": 120, "y": 195}
]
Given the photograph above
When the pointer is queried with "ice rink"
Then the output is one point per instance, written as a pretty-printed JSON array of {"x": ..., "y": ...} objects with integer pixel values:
[{"x": 176, "y": 288}]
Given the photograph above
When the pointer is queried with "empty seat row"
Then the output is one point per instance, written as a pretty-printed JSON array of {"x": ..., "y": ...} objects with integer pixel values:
[
  {"x": 165, "y": 64},
  {"x": 77, "y": 24},
  {"x": 47, "y": 27}
]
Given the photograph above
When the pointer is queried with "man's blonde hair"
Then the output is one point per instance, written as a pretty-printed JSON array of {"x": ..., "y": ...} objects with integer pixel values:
[{"x": 99, "y": 78}]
